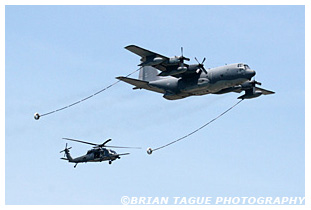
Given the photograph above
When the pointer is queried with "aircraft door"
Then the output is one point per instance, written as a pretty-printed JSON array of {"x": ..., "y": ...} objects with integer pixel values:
[{"x": 96, "y": 154}]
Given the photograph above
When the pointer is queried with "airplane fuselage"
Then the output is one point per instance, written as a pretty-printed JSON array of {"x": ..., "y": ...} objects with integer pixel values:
[
  {"x": 178, "y": 80},
  {"x": 216, "y": 81}
]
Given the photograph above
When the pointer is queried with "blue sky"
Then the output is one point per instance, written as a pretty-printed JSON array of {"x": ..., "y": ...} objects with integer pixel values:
[{"x": 56, "y": 55}]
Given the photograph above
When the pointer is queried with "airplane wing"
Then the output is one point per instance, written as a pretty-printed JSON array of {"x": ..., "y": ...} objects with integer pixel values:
[
  {"x": 143, "y": 52},
  {"x": 140, "y": 84}
]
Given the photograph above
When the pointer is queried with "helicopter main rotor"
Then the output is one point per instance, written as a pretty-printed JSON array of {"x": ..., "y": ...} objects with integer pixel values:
[{"x": 99, "y": 145}]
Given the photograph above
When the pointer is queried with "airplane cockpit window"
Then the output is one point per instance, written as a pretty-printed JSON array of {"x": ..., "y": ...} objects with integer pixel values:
[
  {"x": 240, "y": 65},
  {"x": 246, "y": 66}
]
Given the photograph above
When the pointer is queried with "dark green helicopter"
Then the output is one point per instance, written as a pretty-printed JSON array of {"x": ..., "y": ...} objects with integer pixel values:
[{"x": 99, "y": 153}]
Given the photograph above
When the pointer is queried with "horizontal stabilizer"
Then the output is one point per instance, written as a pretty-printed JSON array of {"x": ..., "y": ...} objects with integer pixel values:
[
  {"x": 137, "y": 83},
  {"x": 140, "y": 84},
  {"x": 64, "y": 158}
]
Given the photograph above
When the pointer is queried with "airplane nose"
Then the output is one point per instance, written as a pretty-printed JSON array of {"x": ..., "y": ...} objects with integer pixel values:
[{"x": 250, "y": 73}]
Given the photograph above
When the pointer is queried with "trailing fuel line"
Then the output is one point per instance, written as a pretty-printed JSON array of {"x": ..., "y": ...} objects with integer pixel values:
[
  {"x": 150, "y": 150},
  {"x": 37, "y": 115}
]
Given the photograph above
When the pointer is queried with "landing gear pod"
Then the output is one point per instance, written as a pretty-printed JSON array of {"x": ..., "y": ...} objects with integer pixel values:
[
  {"x": 149, "y": 151},
  {"x": 36, "y": 116}
]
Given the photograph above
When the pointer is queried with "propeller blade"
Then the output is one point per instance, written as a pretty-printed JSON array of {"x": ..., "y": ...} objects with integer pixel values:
[
  {"x": 196, "y": 60},
  {"x": 182, "y": 58},
  {"x": 201, "y": 65},
  {"x": 204, "y": 69},
  {"x": 254, "y": 82}
]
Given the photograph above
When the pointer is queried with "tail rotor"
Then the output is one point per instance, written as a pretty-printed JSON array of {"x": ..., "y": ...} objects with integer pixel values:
[{"x": 66, "y": 150}]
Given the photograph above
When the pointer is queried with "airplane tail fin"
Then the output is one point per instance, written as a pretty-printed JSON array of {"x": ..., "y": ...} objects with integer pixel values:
[{"x": 148, "y": 73}]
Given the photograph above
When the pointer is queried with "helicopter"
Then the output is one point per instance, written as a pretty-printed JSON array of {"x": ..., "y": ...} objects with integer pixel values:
[{"x": 98, "y": 153}]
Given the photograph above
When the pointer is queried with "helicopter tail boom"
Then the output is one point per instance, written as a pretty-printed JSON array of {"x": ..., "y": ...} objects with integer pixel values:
[{"x": 70, "y": 159}]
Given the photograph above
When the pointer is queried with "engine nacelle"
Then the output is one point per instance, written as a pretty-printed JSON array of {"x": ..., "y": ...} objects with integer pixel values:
[
  {"x": 152, "y": 61},
  {"x": 179, "y": 70},
  {"x": 174, "y": 60},
  {"x": 158, "y": 60}
]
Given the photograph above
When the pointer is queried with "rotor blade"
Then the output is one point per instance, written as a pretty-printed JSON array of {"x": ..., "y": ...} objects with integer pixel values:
[
  {"x": 85, "y": 142},
  {"x": 64, "y": 149},
  {"x": 123, "y": 154},
  {"x": 124, "y": 147},
  {"x": 203, "y": 60},
  {"x": 103, "y": 144}
]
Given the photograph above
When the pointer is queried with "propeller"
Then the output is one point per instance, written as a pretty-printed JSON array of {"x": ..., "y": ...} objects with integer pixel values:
[
  {"x": 65, "y": 150},
  {"x": 250, "y": 84},
  {"x": 255, "y": 82},
  {"x": 182, "y": 58},
  {"x": 201, "y": 65}
]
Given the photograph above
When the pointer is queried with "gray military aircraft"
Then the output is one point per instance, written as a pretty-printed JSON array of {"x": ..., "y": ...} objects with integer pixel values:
[
  {"x": 99, "y": 153},
  {"x": 179, "y": 80}
]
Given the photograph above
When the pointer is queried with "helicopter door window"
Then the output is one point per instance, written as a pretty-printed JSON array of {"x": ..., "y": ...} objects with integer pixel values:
[{"x": 96, "y": 154}]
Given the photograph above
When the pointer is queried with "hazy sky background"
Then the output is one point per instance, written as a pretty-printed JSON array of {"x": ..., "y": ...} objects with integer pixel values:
[{"x": 56, "y": 55}]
